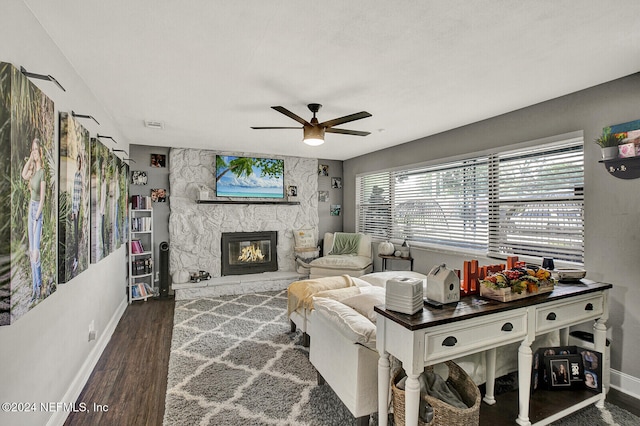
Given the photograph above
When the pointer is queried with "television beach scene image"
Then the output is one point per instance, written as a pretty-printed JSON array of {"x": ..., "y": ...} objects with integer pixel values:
[{"x": 249, "y": 177}]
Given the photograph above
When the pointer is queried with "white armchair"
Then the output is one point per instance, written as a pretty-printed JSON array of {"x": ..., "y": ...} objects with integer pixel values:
[{"x": 353, "y": 259}]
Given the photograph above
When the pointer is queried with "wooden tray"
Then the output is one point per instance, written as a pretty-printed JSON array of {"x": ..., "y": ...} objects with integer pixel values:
[{"x": 505, "y": 294}]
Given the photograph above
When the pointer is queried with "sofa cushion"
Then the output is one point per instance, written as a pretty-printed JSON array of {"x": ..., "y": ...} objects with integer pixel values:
[
  {"x": 342, "y": 262},
  {"x": 305, "y": 238},
  {"x": 347, "y": 321},
  {"x": 364, "y": 302}
]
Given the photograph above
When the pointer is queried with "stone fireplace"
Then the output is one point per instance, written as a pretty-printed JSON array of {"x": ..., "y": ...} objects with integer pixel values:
[
  {"x": 196, "y": 229},
  {"x": 248, "y": 252}
]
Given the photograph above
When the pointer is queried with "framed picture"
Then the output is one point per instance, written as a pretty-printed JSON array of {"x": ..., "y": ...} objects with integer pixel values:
[
  {"x": 336, "y": 182},
  {"x": 158, "y": 160},
  {"x": 565, "y": 371},
  {"x": 323, "y": 196},
  {"x": 159, "y": 195},
  {"x": 559, "y": 369},
  {"x": 138, "y": 177},
  {"x": 335, "y": 210},
  {"x": 292, "y": 191},
  {"x": 592, "y": 363},
  {"x": 323, "y": 170}
]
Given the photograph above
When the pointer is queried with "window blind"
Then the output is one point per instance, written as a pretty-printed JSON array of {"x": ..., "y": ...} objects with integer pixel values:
[
  {"x": 521, "y": 202},
  {"x": 537, "y": 203}
]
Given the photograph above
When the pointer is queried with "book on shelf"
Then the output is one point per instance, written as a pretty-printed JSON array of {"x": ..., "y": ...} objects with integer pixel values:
[
  {"x": 135, "y": 292},
  {"x": 149, "y": 289},
  {"x": 142, "y": 266},
  {"x": 142, "y": 290},
  {"x": 140, "y": 202},
  {"x": 136, "y": 247},
  {"x": 140, "y": 224}
]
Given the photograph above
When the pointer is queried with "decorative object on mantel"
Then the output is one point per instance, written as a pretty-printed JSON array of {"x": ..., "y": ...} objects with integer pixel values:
[{"x": 626, "y": 162}]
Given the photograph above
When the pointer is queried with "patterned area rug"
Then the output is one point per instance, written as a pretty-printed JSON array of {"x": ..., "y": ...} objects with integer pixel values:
[{"x": 234, "y": 361}]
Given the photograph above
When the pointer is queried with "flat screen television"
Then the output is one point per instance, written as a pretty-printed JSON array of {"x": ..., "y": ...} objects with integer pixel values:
[{"x": 249, "y": 177}]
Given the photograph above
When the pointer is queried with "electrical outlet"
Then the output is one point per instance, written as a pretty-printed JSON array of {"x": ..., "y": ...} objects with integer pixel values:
[{"x": 92, "y": 330}]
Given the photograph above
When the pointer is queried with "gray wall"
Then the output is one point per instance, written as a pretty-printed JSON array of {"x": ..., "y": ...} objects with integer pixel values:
[
  {"x": 46, "y": 355},
  {"x": 327, "y": 222},
  {"x": 612, "y": 216}
]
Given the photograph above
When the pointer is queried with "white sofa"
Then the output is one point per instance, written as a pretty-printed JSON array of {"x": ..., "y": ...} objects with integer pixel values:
[{"x": 354, "y": 264}]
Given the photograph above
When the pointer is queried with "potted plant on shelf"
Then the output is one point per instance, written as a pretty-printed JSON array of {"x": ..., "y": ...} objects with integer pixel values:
[{"x": 608, "y": 144}]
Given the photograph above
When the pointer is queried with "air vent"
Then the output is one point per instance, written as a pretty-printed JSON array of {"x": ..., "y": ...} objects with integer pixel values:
[{"x": 159, "y": 125}]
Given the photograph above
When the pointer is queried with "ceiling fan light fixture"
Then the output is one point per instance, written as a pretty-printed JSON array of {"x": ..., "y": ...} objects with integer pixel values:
[{"x": 313, "y": 136}]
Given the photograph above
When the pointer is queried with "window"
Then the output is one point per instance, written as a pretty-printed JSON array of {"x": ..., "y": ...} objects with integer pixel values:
[{"x": 527, "y": 202}]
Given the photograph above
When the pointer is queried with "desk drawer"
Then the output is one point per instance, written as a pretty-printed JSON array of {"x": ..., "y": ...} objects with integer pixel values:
[
  {"x": 475, "y": 334},
  {"x": 571, "y": 312}
]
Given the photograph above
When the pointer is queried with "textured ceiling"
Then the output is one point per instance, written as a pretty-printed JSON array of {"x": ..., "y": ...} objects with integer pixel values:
[{"x": 211, "y": 69}]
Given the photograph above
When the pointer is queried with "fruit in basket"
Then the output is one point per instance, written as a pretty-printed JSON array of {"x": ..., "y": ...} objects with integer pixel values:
[{"x": 519, "y": 279}]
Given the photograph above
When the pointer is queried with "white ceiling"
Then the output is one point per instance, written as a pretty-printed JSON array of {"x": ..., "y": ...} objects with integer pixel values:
[{"x": 211, "y": 69}]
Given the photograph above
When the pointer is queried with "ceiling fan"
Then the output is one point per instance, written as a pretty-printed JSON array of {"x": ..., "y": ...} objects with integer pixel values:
[{"x": 313, "y": 130}]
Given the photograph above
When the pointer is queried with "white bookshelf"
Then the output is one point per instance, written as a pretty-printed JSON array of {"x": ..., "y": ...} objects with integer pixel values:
[{"x": 141, "y": 262}]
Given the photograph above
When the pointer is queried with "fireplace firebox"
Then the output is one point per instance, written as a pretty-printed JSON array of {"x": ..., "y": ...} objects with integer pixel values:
[{"x": 249, "y": 252}]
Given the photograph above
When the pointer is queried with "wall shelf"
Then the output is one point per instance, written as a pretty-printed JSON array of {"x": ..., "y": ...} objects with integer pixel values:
[
  {"x": 284, "y": 203},
  {"x": 623, "y": 168}
]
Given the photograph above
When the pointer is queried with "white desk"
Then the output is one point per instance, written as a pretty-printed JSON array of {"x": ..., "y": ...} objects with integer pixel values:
[{"x": 475, "y": 325}]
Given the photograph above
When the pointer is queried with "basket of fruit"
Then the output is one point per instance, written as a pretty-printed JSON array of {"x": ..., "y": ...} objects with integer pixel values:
[{"x": 516, "y": 283}]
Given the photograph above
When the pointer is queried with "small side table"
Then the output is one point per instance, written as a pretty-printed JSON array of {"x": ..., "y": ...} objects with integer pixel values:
[{"x": 385, "y": 258}]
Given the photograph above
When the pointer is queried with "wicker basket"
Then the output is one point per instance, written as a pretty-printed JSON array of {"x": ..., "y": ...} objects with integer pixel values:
[{"x": 444, "y": 414}]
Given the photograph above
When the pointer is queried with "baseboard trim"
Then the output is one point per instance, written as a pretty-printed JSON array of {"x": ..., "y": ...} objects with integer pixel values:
[
  {"x": 625, "y": 383},
  {"x": 78, "y": 383}
]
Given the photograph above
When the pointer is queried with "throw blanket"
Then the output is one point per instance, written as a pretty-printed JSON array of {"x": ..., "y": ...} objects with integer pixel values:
[
  {"x": 300, "y": 293},
  {"x": 345, "y": 243}
]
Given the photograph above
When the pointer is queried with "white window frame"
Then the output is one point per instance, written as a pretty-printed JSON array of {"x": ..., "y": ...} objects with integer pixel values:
[{"x": 569, "y": 217}]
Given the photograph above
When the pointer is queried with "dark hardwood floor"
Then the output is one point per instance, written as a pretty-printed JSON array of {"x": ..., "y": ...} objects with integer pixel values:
[{"x": 130, "y": 379}]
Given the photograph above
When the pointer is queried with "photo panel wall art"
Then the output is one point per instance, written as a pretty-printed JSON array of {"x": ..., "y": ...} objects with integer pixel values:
[
  {"x": 28, "y": 195},
  {"x": 74, "y": 198},
  {"x": 102, "y": 205}
]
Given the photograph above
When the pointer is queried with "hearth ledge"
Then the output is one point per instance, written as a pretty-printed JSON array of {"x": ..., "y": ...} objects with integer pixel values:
[{"x": 236, "y": 284}]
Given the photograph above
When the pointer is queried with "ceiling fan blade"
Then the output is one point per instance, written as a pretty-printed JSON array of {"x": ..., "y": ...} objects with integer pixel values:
[
  {"x": 288, "y": 113},
  {"x": 260, "y": 128},
  {"x": 347, "y": 132},
  {"x": 346, "y": 119}
]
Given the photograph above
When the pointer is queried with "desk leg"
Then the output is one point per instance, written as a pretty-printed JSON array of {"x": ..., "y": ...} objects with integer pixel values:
[
  {"x": 599, "y": 342},
  {"x": 525, "y": 360},
  {"x": 489, "y": 397},
  {"x": 383, "y": 388},
  {"x": 412, "y": 400}
]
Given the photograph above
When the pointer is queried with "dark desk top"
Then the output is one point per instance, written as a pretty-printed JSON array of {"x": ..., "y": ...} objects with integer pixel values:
[{"x": 476, "y": 306}]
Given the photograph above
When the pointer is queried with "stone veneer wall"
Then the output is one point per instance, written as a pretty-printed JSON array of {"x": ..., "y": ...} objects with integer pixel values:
[{"x": 195, "y": 229}]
